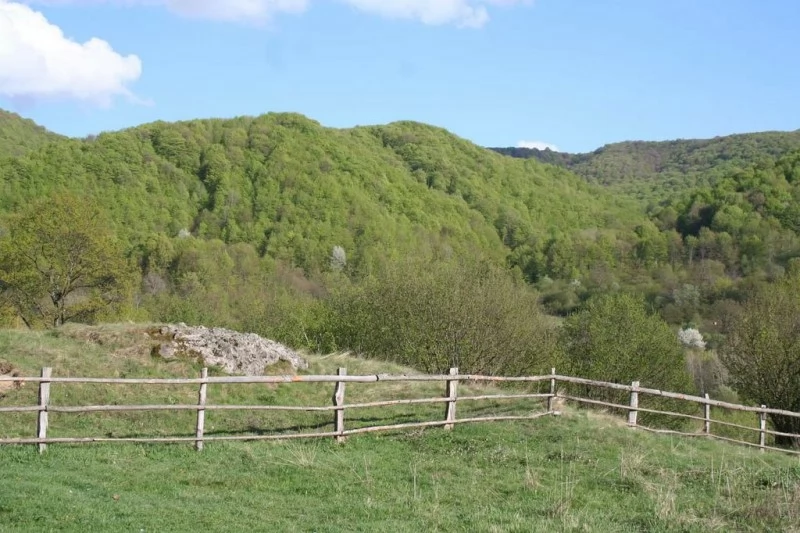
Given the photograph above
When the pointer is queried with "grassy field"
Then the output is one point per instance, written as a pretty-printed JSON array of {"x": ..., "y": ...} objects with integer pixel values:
[{"x": 582, "y": 471}]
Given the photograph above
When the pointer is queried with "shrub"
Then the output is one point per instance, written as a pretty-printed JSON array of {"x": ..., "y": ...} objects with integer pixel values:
[
  {"x": 437, "y": 315},
  {"x": 614, "y": 338},
  {"x": 762, "y": 352}
]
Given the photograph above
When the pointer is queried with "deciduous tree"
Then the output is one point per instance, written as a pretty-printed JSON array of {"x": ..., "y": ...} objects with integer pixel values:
[
  {"x": 762, "y": 351},
  {"x": 60, "y": 261}
]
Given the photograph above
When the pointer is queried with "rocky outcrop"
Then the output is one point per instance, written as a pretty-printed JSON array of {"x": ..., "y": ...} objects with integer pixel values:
[
  {"x": 234, "y": 352},
  {"x": 7, "y": 370}
]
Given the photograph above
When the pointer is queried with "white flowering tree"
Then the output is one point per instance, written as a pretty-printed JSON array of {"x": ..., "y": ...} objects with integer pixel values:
[
  {"x": 338, "y": 259},
  {"x": 691, "y": 338}
]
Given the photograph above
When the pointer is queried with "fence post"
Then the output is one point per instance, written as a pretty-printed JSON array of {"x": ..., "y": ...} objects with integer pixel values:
[
  {"x": 762, "y": 435},
  {"x": 707, "y": 416},
  {"x": 552, "y": 390},
  {"x": 338, "y": 402},
  {"x": 452, "y": 393},
  {"x": 634, "y": 410},
  {"x": 44, "y": 399},
  {"x": 201, "y": 413}
]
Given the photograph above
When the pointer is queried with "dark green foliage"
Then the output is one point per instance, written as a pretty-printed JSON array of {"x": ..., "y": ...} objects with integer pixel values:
[
  {"x": 655, "y": 170},
  {"x": 762, "y": 351}
]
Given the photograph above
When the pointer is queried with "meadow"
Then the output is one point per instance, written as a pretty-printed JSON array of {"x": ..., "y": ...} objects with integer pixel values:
[{"x": 581, "y": 471}]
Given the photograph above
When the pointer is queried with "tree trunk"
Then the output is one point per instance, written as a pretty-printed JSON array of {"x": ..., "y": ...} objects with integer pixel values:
[{"x": 786, "y": 424}]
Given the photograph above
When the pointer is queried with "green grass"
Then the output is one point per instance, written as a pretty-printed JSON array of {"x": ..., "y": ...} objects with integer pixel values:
[
  {"x": 574, "y": 473},
  {"x": 124, "y": 351},
  {"x": 583, "y": 471}
]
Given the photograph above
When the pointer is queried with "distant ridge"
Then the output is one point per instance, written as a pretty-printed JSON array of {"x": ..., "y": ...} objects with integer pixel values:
[{"x": 651, "y": 168}]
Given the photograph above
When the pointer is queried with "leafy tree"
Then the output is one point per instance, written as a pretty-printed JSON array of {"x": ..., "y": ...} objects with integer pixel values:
[
  {"x": 762, "y": 351},
  {"x": 60, "y": 262},
  {"x": 434, "y": 316},
  {"x": 614, "y": 338}
]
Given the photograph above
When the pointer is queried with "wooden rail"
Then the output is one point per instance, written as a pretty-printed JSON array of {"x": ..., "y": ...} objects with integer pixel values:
[{"x": 339, "y": 407}]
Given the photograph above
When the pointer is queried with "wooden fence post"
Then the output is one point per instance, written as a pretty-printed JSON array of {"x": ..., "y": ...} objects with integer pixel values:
[
  {"x": 338, "y": 402},
  {"x": 762, "y": 422},
  {"x": 201, "y": 413},
  {"x": 552, "y": 390},
  {"x": 44, "y": 399},
  {"x": 634, "y": 410},
  {"x": 451, "y": 393},
  {"x": 707, "y": 416}
]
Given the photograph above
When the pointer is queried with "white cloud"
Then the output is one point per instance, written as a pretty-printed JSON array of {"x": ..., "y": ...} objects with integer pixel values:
[
  {"x": 37, "y": 61},
  {"x": 464, "y": 13},
  {"x": 433, "y": 12},
  {"x": 539, "y": 145},
  {"x": 234, "y": 10}
]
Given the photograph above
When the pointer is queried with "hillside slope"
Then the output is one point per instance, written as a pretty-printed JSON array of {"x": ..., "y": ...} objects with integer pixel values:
[
  {"x": 653, "y": 170},
  {"x": 19, "y": 135},
  {"x": 294, "y": 189},
  {"x": 581, "y": 471}
]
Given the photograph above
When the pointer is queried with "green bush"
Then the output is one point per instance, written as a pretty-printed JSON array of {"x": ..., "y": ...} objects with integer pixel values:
[
  {"x": 762, "y": 351},
  {"x": 614, "y": 338},
  {"x": 437, "y": 315}
]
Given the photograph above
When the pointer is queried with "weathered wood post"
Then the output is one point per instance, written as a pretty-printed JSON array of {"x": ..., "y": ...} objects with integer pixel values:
[
  {"x": 338, "y": 402},
  {"x": 451, "y": 392},
  {"x": 201, "y": 412},
  {"x": 762, "y": 423},
  {"x": 44, "y": 399},
  {"x": 707, "y": 416},
  {"x": 634, "y": 410},
  {"x": 552, "y": 390}
]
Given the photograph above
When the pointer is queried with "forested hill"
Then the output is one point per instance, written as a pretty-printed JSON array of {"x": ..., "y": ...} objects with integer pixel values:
[
  {"x": 653, "y": 170},
  {"x": 294, "y": 189},
  {"x": 20, "y": 135}
]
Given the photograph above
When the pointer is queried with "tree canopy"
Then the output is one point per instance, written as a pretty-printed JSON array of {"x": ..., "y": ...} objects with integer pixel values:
[
  {"x": 60, "y": 262},
  {"x": 655, "y": 170},
  {"x": 762, "y": 351}
]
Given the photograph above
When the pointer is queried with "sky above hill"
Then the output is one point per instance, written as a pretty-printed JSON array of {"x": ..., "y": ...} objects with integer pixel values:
[{"x": 572, "y": 74}]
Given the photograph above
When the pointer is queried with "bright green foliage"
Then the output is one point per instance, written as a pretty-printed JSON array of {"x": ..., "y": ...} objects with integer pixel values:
[
  {"x": 19, "y": 136},
  {"x": 295, "y": 190},
  {"x": 438, "y": 315},
  {"x": 614, "y": 338},
  {"x": 60, "y": 262},
  {"x": 762, "y": 351},
  {"x": 235, "y": 222}
]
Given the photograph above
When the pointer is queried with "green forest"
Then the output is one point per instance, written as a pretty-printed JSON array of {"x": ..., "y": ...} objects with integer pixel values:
[
  {"x": 406, "y": 242},
  {"x": 652, "y": 171}
]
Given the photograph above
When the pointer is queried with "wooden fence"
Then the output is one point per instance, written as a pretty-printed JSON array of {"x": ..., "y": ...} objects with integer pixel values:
[{"x": 450, "y": 399}]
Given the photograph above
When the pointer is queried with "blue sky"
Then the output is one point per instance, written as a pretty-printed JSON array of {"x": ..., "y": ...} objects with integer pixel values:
[{"x": 572, "y": 73}]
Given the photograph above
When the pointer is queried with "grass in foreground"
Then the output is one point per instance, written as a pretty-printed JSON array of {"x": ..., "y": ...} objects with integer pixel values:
[{"x": 578, "y": 472}]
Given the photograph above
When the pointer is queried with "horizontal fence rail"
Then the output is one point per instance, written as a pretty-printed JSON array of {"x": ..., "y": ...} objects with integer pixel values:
[{"x": 339, "y": 407}]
